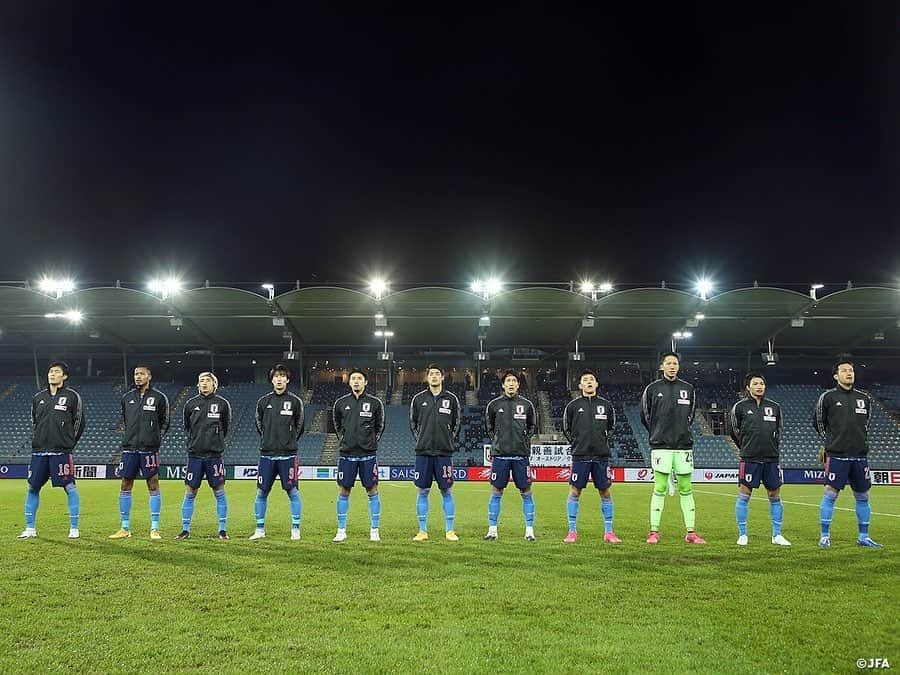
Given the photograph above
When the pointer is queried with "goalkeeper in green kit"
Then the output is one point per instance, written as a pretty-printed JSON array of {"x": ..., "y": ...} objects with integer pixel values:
[{"x": 667, "y": 410}]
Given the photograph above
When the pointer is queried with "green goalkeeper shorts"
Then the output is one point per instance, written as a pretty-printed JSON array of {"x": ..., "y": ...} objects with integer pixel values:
[{"x": 680, "y": 462}]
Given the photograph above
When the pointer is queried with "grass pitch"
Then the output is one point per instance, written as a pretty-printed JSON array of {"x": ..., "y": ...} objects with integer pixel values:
[{"x": 473, "y": 606}]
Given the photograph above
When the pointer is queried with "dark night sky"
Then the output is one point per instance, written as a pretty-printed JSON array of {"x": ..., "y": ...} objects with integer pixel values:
[{"x": 651, "y": 142}]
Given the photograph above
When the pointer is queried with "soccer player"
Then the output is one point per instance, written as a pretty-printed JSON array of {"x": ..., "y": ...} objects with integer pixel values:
[
  {"x": 57, "y": 417},
  {"x": 145, "y": 415},
  {"x": 667, "y": 411},
  {"x": 842, "y": 418},
  {"x": 279, "y": 421},
  {"x": 359, "y": 423},
  {"x": 207, "y": 418},
  {"x": 511, "y": 421},
  {"x": 756, "y": 425},
  {"x": 589, "y": 422},
  {"x": 434, "y": 418}
]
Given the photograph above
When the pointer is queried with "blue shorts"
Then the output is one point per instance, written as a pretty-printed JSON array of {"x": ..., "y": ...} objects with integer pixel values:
[
  {"x": 521, "y": 472},
  {"x": 58, "y": 469},
  {"x": 134, "y": 462},
  {"x": 597, "y": 469},
  {"x": 349, "y": 468},
  {"x": 437, "y": 469},
  {"x": 842, "y": 470},
  {"x": 211, "y": 467},
  {"x": 750, "y": 474},
  {"x": 269, "y": 467}
]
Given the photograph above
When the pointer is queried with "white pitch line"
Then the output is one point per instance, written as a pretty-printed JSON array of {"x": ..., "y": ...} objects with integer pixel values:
[{"x": 733, "y": 495}]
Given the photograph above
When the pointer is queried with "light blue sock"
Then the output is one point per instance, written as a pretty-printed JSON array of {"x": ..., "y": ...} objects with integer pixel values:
[
  {"x": 422, "y": 508},
  {"x": 826, "y": 510},
  {"x": 155, "y": 508},
  {"x": 296, "y": 507},
  {"x": 572, "y": 511},
  {"x": 375, "y": 510},
  {"x": 187, "y": 510},
  {"x": 606, "y": 507},
  {"x": 449, "y": 510},
  {"x": 32, "y": 501},
  {"x": 776, "y": 512},
  {"x": 494, "y": 508},
  {"x": 125, "y": 508},
  {"x": 74, "y": 505},
  {"x": 741, "y": 512},
  {"x": 528, "y": 508},
  {"x": 259, "y": 508},
  {"x": 343, "y": 505},
  {"x": 221, "y": 507},
  {"x": 863, "y": 513}
]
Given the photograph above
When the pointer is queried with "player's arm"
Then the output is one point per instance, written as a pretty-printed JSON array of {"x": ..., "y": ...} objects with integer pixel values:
[
  {"x": 379, "y": 420},
  {"x": 260, "y": 407},
  {"x": 414, "y": 418},
  {"x": 820, "y": 415},
  {"x": 162, "y": 413},
  {"x": 456, "y": 420},
  {"x": 34, "y": 412},
  {"x": 226, "y": 418},
  {"x": 187, "y": 417},
  {"x": 299, "y": 419},
  {"x": 820, "y": 422},
  {"x": 337, "y": 416},
  {"x": 78, "y": 416},
  {"x": 531, "y": 422},
  {"x": 779, "y": 428},
  {"x": 567, "y": 421},
  {"x": 735, "y": 424},
  {"x": 690, "y": 419},
  {"x": 611, "y": 422},
  {"x": 645, "y": 407},
  {"x": 489, "y": 415}
]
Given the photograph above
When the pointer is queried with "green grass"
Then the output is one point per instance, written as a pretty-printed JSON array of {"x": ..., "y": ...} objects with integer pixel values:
[{"x": 508, "y": 605}]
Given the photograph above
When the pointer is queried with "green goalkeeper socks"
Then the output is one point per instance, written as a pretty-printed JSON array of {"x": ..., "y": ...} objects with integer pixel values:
[
  {"x": 658, "y": 500},
  {"x": 687, "y": 501}
]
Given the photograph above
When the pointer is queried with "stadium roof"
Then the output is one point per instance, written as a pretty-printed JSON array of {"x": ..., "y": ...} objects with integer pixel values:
[{"x": 434, "y": 318}]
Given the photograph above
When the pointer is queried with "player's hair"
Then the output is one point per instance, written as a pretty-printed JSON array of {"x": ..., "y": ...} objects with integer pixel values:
[
  {"x": 145, "y": 367},
  {"x": 588, "y": 371},
  {"x": 279, "y": 368},
  {"x": 507, "y": 374},
  {"x": 752, "y": 376},
  {"x": 433, "y": 366},
  {"x": 357, "y": 370},
  {"x": 666, "y": 355},
  {"x": 215, "y": 380},
  {"x": 62, "y": 365},
  {"x": 840, "y": 362}
]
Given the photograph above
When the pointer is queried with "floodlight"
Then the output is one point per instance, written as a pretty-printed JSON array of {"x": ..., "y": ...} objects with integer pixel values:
[
  {"x": 378, "y": 287},
  {"x": 704, "y": 288}
]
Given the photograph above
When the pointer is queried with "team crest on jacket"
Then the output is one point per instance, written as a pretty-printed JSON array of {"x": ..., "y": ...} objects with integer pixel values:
[
  {"x": 366, "y": 407},
  {"x": 445, "y": 403},
  {"x": 683, "y": 393}
]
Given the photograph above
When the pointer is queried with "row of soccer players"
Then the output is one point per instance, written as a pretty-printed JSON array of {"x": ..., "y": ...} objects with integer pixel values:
[{"x": 667, "y": 410}]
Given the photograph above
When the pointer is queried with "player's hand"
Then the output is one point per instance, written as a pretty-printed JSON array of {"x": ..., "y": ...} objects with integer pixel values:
[{"x": 822, "y": 455}]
